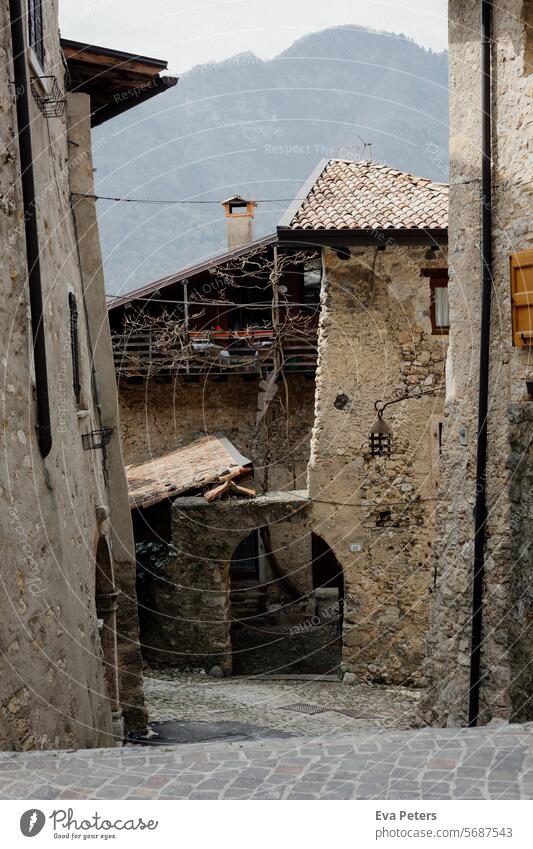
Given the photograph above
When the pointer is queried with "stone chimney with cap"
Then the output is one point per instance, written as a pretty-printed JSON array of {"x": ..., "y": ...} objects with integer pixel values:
[{"x": 240, "y": 219}]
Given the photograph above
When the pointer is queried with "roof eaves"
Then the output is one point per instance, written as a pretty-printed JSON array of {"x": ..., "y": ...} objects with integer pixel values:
[{"x": 191, "y": 271}]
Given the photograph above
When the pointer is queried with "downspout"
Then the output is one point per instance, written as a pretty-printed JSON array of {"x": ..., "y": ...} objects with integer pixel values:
[
  {"x": 44, "y": 430},
  {"x": 484, "y": 356}
]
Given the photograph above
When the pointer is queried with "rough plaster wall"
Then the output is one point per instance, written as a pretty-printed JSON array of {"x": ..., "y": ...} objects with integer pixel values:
[
  {"x": 375, "y": 340},
  {"x": 157, "y": 417},
  {"x": 115, "y": 499},
  {"x": 449, "y": 642},
  {"x": 51, "y": 682},
  {"x": 188, "y": 624}
]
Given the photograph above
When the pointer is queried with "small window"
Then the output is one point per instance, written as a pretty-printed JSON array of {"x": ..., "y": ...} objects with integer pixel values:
[
  {"x": 74, "y": 347},
  {"x": 35, "y": 29},
  {"x": 439, "y": 306}
]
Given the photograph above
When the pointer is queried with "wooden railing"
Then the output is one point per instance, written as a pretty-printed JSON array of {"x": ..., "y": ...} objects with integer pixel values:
[{"x": 214, "y": 352}]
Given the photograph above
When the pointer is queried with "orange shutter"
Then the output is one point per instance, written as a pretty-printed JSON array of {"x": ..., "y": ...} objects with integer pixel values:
[{"x": 522, "y": 298}]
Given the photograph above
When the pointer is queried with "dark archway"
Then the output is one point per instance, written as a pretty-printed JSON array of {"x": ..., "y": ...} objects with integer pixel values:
[
  {"x": 328, "y": 585},
  {"x": 106, "y": 611},
  {"x": 327, "y": 571},
  {"x": 275, "y": 628}
]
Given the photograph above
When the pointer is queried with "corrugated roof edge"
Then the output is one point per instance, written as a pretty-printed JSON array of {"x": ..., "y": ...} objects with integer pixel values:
[{"x": 190, "y": 270}]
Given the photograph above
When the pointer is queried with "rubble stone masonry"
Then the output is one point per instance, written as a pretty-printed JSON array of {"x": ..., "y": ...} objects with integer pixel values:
[
  {"x": 157, "y": 417},
  {"x": 377, "y": 513},
  {"x": 52, "y": 511},
  {"x": 507, "y": 639}
]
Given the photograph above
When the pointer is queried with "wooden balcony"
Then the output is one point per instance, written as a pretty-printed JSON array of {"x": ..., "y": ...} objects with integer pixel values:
[{"x": 214, "y": 352}]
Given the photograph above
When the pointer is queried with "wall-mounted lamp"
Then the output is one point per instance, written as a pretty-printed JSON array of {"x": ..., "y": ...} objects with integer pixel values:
[{"x": 380, "y": 437}]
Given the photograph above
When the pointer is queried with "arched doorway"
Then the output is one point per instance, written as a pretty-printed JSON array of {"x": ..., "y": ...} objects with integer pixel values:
[
  {"x": 279, "y": 626},
  {"x": 328, "y": 585},
  {"x": 106, "y": 611}
]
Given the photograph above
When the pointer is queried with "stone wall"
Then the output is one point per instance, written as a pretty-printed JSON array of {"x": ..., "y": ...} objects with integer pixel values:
[
  {"x": 116, "y": 494},
  {"x": 521, "y": 496},
  {"x": 450, "y": 633},
  {"x": 157, "y": 417},
  {"x": 186, "y": 616},
  {"x": 52, "y": 687},
  {"x": 377, "y": 514}
]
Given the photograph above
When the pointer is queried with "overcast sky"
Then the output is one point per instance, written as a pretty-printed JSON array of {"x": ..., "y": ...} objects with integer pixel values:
[{"x": 190, "y": 32}]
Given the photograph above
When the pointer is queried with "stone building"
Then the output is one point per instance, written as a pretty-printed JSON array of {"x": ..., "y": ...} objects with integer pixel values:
[
  {"x": 65, "y": 523},
  {"x": 373, "y": 480},
  {"x": 358, "y": 545},
  {"x": 241, "y": 362},
  {"x": 481, "y": 650}
]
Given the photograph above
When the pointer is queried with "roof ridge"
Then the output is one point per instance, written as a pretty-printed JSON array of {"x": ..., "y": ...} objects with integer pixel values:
[{"x": 347, "y": 194}]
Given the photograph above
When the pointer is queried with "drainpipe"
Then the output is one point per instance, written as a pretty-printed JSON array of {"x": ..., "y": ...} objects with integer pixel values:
[
  {"x": 44, "y": 431},
  {"x": 484, "y": 356}
]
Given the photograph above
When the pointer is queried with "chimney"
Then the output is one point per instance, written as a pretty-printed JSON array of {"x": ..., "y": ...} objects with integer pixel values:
[{"x": 240, "y": 218}]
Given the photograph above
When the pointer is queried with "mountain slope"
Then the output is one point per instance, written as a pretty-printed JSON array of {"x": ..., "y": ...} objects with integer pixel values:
[{"x": 259, "y": 128}]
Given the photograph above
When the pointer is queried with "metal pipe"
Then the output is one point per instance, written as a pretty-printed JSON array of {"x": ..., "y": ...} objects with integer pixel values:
[
  {"x": 484, "y": 357},
  {"x": 44, "y": 430}
]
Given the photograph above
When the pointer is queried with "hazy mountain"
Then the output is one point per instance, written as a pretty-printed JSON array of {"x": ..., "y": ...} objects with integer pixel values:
[{"x": 259, "y": 128}]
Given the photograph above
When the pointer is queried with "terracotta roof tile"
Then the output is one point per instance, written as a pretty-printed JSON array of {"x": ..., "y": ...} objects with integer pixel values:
[
  {"x": 188, "y": 468},
  {"x": 364, "y": 195}
]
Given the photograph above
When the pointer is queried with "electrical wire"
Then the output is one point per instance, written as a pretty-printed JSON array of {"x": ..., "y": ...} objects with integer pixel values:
[{"x": 171, "y": 202}]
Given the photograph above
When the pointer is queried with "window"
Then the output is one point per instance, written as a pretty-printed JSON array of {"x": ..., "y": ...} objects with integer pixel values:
[
  {"x": 74, "y": 347},
  {"x": 440, "y": 310},
  {"x": 438, "y": 299},
  {"x": 35, "y": 29}
]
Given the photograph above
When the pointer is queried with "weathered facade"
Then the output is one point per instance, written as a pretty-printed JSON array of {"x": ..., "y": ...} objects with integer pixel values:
[
  {"x": 170, "y": 398},
  {"x": 377, "y": 514},
  {"x": 65, "y": 523},
  {"x": 191, "y": 587},
  {"x": 384, "y": 247},
  {"x": 507, "y": 640},
  {"x": 361, "y": 553}
]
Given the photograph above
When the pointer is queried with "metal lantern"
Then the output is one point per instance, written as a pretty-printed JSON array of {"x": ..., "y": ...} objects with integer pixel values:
[{"x": 380, "y": 438}]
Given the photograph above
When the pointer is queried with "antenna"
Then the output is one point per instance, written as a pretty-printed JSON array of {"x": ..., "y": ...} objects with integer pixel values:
[{"x": 365, "y": 149}]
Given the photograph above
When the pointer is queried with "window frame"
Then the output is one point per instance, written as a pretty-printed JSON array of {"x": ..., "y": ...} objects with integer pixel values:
[
  {"x": 75, "y": 347},
  {"x": 438, "y": 279},
  {"x": 36, "y": 47}
]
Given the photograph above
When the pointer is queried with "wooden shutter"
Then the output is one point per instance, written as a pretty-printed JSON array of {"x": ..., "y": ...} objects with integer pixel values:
[{"x": 522, "y": 298}]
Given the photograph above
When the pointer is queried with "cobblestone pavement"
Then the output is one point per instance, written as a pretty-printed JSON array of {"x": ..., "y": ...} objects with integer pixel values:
[
  {"x": 317, "y": 706},
  {"x": 495, "y": 762}
]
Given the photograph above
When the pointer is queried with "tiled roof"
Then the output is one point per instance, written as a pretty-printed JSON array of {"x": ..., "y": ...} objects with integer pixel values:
[
  {"x": 188, "y": 468},
  {"x": 366, "y": 196}
]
